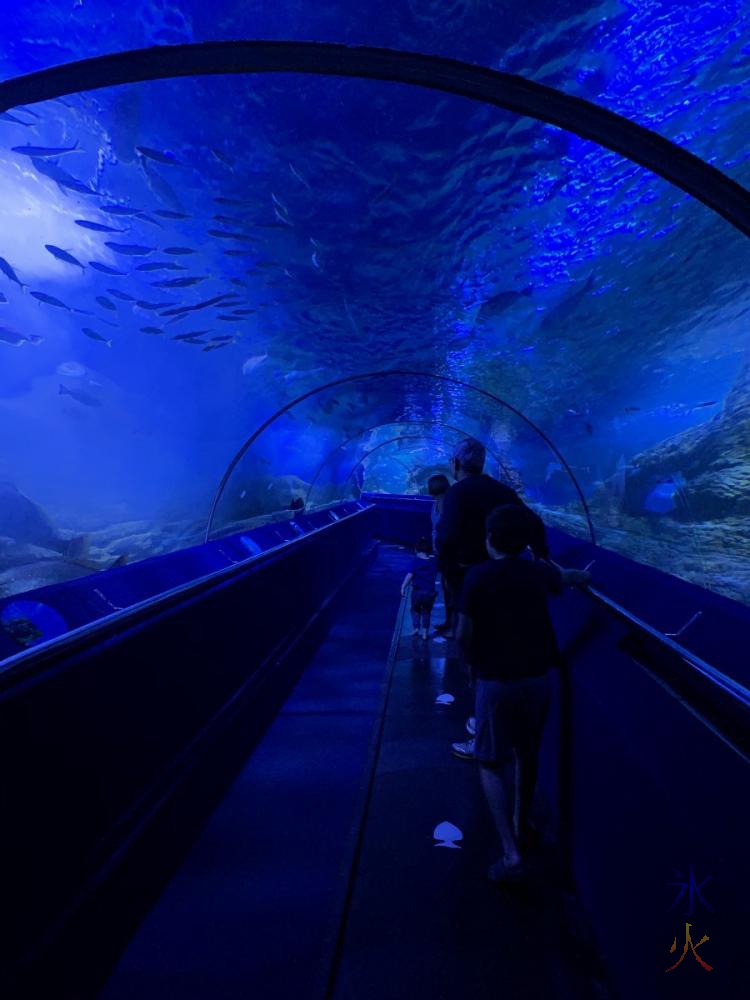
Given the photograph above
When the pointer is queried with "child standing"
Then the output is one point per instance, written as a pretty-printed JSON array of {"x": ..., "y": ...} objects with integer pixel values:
[{"x": 421, "y": 577}]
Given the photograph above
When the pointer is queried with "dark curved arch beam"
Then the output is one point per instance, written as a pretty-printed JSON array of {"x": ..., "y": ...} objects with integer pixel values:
[
  {"x": 513, "y": 93},
  {"x": 398, "y": 373},
  {"x": 394, "y": 423}
]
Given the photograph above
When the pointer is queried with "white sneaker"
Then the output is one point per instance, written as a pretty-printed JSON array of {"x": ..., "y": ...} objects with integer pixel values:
[
  {"x": 471, "y": 726},
  {"x": 465, "y": 750}
]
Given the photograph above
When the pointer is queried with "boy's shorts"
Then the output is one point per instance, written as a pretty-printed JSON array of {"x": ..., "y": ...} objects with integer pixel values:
[
  {"x": 422, "y": 601},
  {"x": 510, "y": 716}
]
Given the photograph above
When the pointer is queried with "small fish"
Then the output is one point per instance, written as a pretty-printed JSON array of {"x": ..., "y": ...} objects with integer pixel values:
[
  {"x": 151, "y": 329},
  {"x": 10, "y": 273},
  {"x": 242, "y": 312},
  {"x": 82, "y": 397},
  {"x": 178, "y": 250},
  {"x": 93, "y": 335},
  {"x": 238, "y": 281},
  {"x": 158, "y": 265},
  {"x": 166, "y": 213},
  {"x": 222, "y": 337},
  {"x": 315, "y": 261},
  {"x": 121, "y": 295},
  {"x": 223, "y": 158},
  {"x": 190, "y": 338},
  {"x": 42, "y": 151},
  {"x": 61, "y": 177},
  {"x": 155, "y": 154},
  {"x": 15, "y": 339},
  {"x": 177, "y": 282},
  {"x": 237, "y": 253},
  {"x": 711, "y": 402},
  {"x": 216, "y": 300},
  {"x": 300, "y": 179},
  {"x": 152, "y": 306},
  {"x": 226, "y": 234},
  {"x": 142, "y": 217},
  {"x": 106, "y": 269},
  {"x": 50, "y": 300},
  {"x": 130, "y": 249},
  {"x": 252, "y": 363},
  {"x": 97, "y": 226},
  {"x": 63, "y": 255},
  {"x": 281, "y": 218},
  {"x": 106, "y": 303},
  {"x": 228, "y": 319},
  {"x": 120, "y": 210},
  {"x": 229, "y": 201}
]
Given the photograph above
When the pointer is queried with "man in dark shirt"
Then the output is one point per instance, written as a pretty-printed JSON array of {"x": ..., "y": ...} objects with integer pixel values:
[
  {"x": 460, "y": 531},
  {"x": 507, "y": 637}
]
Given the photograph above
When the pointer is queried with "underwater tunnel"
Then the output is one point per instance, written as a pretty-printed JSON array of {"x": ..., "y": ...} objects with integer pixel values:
[{"x": 256, "y": 296}]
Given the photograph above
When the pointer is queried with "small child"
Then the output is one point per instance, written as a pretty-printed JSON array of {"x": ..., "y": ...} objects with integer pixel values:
[{"x": 421, "y": 578}]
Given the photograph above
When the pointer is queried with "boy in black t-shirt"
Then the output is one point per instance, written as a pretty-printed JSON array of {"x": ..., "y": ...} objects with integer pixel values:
[
  {"x": 507, "y": 637},
  {"x": 421, "y": 578}
]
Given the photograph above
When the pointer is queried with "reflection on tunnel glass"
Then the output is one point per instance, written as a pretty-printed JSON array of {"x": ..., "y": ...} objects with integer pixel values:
[{"x": 137, "y": 260}]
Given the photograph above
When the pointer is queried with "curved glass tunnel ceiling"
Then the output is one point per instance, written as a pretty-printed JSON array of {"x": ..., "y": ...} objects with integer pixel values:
[{"x": 428, "y": 233}]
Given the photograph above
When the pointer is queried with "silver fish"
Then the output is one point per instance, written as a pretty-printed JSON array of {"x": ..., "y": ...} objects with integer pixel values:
[
  {"x": 97, "y": 226},
  {"x": 63, "y": 255},
  {"x": 130, "y": 249},
  {"x": 46, "y": 150},
  {"x": 93, "y": 335},
  {"x": 15, "y": 339},
  {"x": 10, "y": 273},
  {"x": 50, "y": 300},
  {"x": 106, "y": 269}
]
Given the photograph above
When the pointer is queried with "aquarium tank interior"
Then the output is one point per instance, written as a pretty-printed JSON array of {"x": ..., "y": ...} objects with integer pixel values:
[{"x": 224, "y": 294}]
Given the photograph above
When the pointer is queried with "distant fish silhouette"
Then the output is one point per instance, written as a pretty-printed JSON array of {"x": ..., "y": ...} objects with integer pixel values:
[
  {"x": 9, "y": 273},
  {"x": 155, "y": 154},
  {"x": 62, "y": 255},
  {"x": 106, "y": 269},
  {"x": 447, "y": 834},
  {"x": 45, "y": 150},
  {"x": 130, "y": 249}
]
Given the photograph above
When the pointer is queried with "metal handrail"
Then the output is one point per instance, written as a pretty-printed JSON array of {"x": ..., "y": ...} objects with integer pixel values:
[
  {"x": 158, "y": 602},
  {"x": 727, "y": 684}
]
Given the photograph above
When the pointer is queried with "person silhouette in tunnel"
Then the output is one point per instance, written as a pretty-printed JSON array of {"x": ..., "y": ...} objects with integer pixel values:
[
  {"x": 421, "y": 579},
  {"x": 509, "y": 643},
  {"x": 460, "y": 534},
  {"x": 437, "y": 486}
]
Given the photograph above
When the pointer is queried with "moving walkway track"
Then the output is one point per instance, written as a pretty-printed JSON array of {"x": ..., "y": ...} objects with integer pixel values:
[{"x": 318, "y": 873}]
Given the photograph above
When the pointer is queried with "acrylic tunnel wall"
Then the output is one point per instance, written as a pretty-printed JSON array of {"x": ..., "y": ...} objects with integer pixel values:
[{"x": 171, "y": 281}]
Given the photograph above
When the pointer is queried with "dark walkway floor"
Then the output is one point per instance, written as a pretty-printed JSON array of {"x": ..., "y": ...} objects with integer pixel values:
[{"x": 287, "y": 894}]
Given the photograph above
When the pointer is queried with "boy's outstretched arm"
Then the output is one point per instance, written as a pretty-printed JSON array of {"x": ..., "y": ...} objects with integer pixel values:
[
  {"x": 575, "y": 576},
  {"x": 406, "y": 584}
]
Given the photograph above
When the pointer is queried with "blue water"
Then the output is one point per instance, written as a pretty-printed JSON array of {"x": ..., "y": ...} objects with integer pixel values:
[{"x": 374, "y": 226}]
